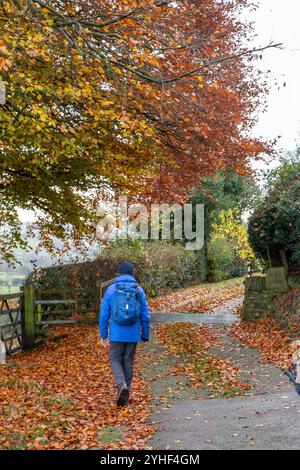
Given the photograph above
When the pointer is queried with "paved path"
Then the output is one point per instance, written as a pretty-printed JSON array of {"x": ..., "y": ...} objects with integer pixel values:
[
  {"x": 199, "y": 318},
  {"x": 267, "y": 422},
  {"x": 222, "y": 316},
  {"x": 268, "y": 418}
]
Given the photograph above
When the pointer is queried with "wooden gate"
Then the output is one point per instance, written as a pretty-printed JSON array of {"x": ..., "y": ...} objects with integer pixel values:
[
  {"x": 11, "y": 321},
  {"x": 78, "y": 305},
  {"x": 53, "y": 307},
  {"x": 25, "y": 317}
]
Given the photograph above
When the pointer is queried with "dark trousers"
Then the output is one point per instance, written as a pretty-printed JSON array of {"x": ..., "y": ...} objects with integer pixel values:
[{"x": 121, "y": 360}]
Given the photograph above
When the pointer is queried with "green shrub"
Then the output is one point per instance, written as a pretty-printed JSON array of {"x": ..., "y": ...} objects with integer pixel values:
[
  {"x": 224, "y": 263},
  {"x": 275, "y": 225}
]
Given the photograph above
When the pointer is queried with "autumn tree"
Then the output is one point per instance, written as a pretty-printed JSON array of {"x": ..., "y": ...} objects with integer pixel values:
[
  {"x": 223, "y": 192},
  {"x": 105, "y": 97}
]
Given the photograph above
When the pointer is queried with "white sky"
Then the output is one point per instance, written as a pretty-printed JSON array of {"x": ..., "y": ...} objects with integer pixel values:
[{"x": 278, "y": 21}]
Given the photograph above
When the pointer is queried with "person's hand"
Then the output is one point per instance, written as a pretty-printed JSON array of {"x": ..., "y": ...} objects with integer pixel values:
[{"x": 105, "y": 343}]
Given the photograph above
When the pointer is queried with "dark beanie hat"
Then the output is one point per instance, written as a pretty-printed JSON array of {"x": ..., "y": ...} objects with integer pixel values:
[{"x": 126, "y": 268}]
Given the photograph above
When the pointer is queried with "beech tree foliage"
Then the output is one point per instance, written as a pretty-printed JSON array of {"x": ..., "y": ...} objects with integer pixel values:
[{"x": 143, "y": 98}]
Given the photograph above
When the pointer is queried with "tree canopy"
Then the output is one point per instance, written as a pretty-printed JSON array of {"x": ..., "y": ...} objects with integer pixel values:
[
  {"x": 106, "y": 97},
  {"x": 275, "y": 224},
  {"x": 226, "y": 191}
]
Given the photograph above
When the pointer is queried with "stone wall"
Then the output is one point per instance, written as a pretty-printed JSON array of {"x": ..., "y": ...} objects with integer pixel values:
[
  {"x": 257, "y": 298},
  {"x": 261, "y": 291}
]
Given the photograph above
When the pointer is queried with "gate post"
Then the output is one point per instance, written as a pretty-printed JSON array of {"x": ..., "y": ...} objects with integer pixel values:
[{"x": 29, "y": 320}]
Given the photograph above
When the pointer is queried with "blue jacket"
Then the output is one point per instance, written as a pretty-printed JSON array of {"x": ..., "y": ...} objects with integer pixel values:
[{"x": 128, "y": 334}]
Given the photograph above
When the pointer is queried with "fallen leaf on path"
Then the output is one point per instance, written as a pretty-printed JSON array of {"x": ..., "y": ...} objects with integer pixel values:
[
  {"x": 61, "y": 395},
  {"x": 198, "y": 299},
  {"x": 266, "y": 336}
]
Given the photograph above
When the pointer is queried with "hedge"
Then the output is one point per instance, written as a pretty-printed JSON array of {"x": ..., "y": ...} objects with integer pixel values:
[{"x": 159, "y": 267}]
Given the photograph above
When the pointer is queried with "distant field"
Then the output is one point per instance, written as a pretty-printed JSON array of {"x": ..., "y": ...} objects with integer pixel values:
[{"x": 10, "y": 283}]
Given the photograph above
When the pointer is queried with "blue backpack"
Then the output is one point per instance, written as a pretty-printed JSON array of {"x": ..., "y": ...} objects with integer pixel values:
[{"x": 126, "y": 305}]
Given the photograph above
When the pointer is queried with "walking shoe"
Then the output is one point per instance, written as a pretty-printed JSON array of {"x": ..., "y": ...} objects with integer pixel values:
[
  {"x": 122, "y": 395},
  {"x": 127, "y": 399}
]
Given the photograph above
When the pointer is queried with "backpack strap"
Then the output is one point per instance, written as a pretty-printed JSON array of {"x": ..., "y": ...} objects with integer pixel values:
[{"x": 115, "y": 307}]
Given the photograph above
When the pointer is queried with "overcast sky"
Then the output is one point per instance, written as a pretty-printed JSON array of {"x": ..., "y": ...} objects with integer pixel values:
[{"x": 278, "y": 20}]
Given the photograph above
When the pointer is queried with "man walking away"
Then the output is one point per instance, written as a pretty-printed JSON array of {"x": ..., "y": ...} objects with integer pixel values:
[{"x": 125, "y": 313}]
